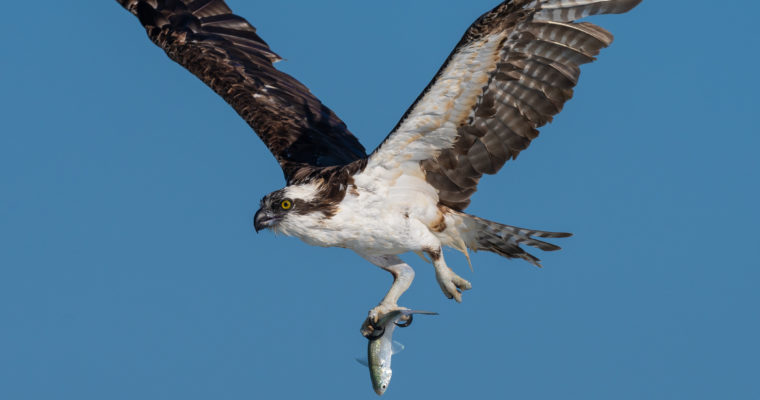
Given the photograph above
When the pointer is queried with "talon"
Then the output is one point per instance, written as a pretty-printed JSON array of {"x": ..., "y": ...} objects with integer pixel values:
[
  {"x": 405, "y": 323},
  {"x": 370, "y": 330},
  {"x": 377, "y": 332},
  {"x": 452, "y": 284}
]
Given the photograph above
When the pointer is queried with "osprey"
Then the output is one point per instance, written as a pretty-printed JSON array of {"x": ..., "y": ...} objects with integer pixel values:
[{"x": 511, "y": 72}]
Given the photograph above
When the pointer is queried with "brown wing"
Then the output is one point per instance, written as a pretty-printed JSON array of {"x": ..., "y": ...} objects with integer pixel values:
[
  {"x": 224, "y": 51},
  {"x": 510, "y": 74}
]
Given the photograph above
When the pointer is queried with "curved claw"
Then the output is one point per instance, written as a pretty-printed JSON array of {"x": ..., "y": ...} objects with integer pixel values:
[
  {"x": 406, "y": 323},
  {"x": 377, "y": 332}
]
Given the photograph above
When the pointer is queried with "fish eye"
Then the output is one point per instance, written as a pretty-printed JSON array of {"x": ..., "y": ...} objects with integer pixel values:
[{"x": 286, "y": 204}]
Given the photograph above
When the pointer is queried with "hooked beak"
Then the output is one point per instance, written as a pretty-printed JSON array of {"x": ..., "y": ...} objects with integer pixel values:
[{"x": 263, "y": 219}]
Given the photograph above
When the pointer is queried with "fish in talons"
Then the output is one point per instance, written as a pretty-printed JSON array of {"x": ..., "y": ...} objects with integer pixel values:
[{"x": 381, "y": 346}]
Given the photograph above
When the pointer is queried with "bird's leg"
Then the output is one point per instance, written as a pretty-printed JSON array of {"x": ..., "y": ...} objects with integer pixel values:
[
  {"x": 403, "y": 275},
  {"x": 451, "y": 284}
]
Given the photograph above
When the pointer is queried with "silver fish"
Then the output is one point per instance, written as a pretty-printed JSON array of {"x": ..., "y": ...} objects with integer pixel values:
[{"x": 381, "y": 345}]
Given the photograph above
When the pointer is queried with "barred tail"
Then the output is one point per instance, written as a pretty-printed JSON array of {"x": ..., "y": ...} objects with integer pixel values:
[{"x": 505, "y": 240}]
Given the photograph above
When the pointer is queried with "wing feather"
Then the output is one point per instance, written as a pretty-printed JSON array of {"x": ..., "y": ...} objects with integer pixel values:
[
  {"x": 226, "y": 53},
  {"x": 571, "y": 10},
  {"x": 513, "y": 70}
]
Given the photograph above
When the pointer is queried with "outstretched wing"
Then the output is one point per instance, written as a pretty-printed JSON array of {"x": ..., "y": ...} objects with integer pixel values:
[
  {"x": 224, "y": 51},
  {"x": 510, "y": 74}
]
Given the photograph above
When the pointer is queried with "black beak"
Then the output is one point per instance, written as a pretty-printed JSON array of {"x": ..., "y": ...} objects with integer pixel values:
[
  {"x": 259, "y": 221},
  {"x": 263, "y": 219}
]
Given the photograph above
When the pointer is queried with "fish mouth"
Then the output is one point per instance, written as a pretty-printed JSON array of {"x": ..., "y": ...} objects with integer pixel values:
[
  {"x": 382, "y": 380},
  {"x": 264, "y": 220},
  {"x": 381, "y": 389}
]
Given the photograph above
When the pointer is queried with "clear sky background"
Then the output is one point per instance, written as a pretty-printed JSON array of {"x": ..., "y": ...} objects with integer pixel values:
[{"x": 129, "y": 267}]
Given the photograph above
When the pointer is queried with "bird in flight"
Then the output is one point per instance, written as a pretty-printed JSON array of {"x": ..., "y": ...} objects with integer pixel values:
[{"x": 511, "y": 72}]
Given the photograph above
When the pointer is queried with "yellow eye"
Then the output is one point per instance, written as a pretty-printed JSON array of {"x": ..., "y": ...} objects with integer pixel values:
[{"x": 286, "y": 204}]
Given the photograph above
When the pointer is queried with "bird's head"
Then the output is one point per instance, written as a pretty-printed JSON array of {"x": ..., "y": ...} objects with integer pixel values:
[{"x": 281, "y": 206}]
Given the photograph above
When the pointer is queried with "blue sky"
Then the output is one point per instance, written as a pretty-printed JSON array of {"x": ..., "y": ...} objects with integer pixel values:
[{"x": 129, "y": 267}]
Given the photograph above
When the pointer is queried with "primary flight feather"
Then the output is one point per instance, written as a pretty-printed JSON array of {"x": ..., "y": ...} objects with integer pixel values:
[{"x": 511, "y": 72}]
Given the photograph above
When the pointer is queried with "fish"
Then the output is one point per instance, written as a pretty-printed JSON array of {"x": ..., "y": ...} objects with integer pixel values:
[{"x": 381, "y": 346}]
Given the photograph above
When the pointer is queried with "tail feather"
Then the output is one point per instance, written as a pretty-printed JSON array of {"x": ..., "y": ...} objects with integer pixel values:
[{"x": 505, "y": 240}]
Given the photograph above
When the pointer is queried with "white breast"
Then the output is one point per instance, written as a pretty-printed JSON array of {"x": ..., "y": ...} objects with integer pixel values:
[{"x": 385, "y": 212}]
